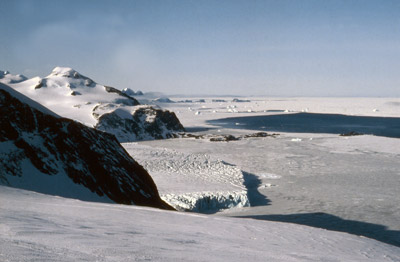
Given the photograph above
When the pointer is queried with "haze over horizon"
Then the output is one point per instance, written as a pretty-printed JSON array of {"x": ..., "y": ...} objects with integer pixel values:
[{"x": 277, "y": 48}]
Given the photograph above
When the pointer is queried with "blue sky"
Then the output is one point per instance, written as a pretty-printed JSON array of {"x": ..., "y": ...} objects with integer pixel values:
[{"x": 277, "y": 48}]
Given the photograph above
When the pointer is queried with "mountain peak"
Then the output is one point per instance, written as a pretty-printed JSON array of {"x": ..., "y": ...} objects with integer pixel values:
[
  {"x": 70, "y": 76},
  {"x": 65, "y": 72}
]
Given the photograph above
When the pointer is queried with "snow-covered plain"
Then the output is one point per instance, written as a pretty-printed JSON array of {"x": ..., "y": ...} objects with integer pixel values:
[
  {"x": 341, "y": 183},
  {"x": 36, "y": 227}
]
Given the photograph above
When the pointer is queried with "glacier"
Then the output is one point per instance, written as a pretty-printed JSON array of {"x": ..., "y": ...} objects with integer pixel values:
[{"x": 207, "y": 202}]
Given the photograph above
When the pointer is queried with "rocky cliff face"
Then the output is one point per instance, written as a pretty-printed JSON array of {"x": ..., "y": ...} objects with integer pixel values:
[{"x": 34, "y": 142}]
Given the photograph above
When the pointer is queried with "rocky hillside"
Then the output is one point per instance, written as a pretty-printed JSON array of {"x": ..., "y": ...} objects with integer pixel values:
[{"x": 49, "y": 154}]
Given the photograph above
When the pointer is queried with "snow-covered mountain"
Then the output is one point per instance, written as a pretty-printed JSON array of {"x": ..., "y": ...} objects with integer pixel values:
[
  {"x": 46, "y": 153},
  {"x": 7, "y": 78},
  {"x": 72, "y": 95}
]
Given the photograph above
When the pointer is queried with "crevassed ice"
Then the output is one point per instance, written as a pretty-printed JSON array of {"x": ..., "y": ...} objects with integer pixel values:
[{"x": 207, "y": 201}]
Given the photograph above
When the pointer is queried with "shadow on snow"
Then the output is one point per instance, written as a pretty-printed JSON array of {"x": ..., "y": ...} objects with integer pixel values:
[
  {"x": 334, "y": 223},
  {"x": 252, "y": 182}
]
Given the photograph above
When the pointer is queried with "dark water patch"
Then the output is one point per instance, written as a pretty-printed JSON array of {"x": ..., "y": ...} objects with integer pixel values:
[
  {"x": 315, "y": 123},
  {"x": 194, "y": 129}
]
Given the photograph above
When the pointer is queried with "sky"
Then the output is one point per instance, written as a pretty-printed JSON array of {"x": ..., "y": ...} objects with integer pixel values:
[{"x": 268, "y": 48}]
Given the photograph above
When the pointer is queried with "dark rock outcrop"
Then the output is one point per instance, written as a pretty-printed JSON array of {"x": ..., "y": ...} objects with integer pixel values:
[
  {"x": 132, "y": 101},
  {"x": 146, "y": 122},
  {"x": 58, "y": 146},
  {"x": 225, "y": 138}
]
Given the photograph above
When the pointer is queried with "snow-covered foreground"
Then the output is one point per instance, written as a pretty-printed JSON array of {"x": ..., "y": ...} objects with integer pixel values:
[{"x": 36, "y": 227}]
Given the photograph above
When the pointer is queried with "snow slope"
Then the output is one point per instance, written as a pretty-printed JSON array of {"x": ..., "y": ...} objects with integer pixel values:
[
  {"x": 37, "y": 227},
  {"x": 74, "y": 96}
]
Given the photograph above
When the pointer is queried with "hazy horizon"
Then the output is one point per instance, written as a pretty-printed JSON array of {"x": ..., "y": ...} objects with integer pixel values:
[{"x": 265, "y": 48}]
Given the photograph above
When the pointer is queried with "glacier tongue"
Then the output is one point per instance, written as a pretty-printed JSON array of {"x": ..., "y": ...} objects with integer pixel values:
[
  {"x": 192, "y": 182},
  {"x": 204, "y": 202}
]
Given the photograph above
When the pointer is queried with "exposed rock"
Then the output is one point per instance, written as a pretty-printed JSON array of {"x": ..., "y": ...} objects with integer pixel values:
[
  {"x": 224, "y": 138},
  {"x": 189, "y": 135},
  {"x": 261, "y": 134},
  {"x": 60, "y": 147},
  {"x": 132, "y": 101},
  {"x": 237, "y": 100},
  {"x": 75, "y": 93},
  {"x": 138, "y": 123},
  {"x": 185, "y": 101},
  {"x": 39, "y": 84}
]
